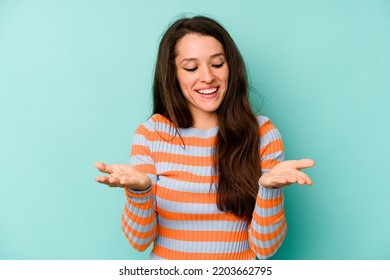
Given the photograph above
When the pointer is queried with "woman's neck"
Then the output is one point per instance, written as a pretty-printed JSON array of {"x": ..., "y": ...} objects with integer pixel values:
[{"x": 205, "y": 121}]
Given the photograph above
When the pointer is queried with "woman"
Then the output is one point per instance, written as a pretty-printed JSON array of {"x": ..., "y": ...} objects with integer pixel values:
[{"x": 200, "y": 186}]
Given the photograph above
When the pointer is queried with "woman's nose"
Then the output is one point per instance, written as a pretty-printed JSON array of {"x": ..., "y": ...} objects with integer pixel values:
[{"x": 207, "y": 75}]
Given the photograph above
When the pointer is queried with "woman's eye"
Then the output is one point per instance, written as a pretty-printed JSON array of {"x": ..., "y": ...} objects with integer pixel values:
[
  {"x": 191, "y": 69},
  {"x": 218, "y": 65}
]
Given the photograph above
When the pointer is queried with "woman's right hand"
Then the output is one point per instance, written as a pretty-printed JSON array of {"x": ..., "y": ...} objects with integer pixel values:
[
  {"x": 286, "y": 173},
  {"x": 123, "y": 176}
]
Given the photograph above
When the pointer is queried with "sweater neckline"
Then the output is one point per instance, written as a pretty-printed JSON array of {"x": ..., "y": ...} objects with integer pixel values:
[{"x": 197, "y": 132}]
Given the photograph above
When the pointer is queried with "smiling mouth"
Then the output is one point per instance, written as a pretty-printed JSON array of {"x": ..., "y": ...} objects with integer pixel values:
[{"x": 207, "y": 91}]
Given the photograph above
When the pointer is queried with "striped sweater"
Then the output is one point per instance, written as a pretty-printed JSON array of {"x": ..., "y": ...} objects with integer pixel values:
[{"x": 178, "y": 213}]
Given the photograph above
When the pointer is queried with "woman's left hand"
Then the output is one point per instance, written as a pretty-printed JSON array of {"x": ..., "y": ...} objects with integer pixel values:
[{"x": 287, "y": 173}]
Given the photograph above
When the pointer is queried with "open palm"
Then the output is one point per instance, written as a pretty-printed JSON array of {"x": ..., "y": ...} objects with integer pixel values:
[
  {"x": 287, "y": 173},
  {"x": 122, "y": 175}
]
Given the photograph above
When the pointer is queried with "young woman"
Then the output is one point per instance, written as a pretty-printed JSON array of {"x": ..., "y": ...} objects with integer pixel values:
[{"x": 206, "y": 174}]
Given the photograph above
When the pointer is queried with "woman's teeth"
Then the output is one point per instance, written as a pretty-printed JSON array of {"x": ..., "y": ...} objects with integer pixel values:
[{"x": 207, "y": 91}]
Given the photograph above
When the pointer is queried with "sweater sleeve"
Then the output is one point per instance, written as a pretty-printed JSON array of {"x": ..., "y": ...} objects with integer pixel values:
[
  {"x": 139, "y": 216},
  {"x": 268, "y": 226}
]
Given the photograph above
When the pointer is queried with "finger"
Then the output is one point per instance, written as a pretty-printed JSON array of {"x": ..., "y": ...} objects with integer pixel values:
[
  {"x": 299, "y": 178},
  {"x": 101, "y": 179},
  {"x": 103, "y": 167},
  {"x": 281, "y": 182},
  {"x": 306, "y": 179},
  {"x": 125, "y": 182},
  {"x": 104, "y": 180},
  {"x": 291, "y": 179},
  {"x": 301, "y": 181},
  {"x": 302, "y": 178},
  {"x": 304, "y": 163},
  {"x": 99, "y": 165},
  {"x": 113, "y": 181}
]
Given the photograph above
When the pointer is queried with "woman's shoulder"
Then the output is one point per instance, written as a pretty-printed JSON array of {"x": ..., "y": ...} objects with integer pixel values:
[
  {"x": 156, "y": 120},
  {"x": 265, "y": 126},
  {"x": 262, "y": 120},
  {"x": 160, "y": 118},
  {"x": 155, "y": 123}
]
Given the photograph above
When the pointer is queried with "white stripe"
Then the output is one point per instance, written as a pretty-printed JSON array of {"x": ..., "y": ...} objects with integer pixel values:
[
  {"x": 196, "y": 170},
  {"x": 204, "y": 225},
  {"x": 176, "y": 185},
  {"x": 188, "y": 208},
  {"x": 202, "y": 247}
]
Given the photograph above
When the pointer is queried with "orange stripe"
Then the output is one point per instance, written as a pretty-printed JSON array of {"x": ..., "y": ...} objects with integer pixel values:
[
  {"x": 183, "y": 159},
  {"x": 138, "y": 234},
  {"x": 140, "y": 150},
  {"x": 197, "y": 217},
  {"x": 146, "y": 168},
  {"x": 272, "y": 147},
  {"x": 203, "y": 236},
  {"x": 268, "y": 236},
  {"x": 137, "y": 219},
  {"x": 144, "y": 132},
  {"x": 200, "y": 142},
  {"x": 189, "y": 197},
  {"x": 162, "y": 119},
  {"x": 270, "y": 250},
  {"x": 265, "y": 128},
  {"x": 268, "y": 163},
  {"x": 177, "y": 255},
  {"x": 188, "y": 177},
  {"x": 270, "y": 220},
  {"x": 138, "y": 247},
  {"x": 175, "y": 140},
  {"x": 269, "y": 203}
]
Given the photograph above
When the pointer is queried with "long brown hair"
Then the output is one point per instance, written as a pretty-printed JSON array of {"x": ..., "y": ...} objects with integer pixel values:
[{"x": 237, "y": 159}]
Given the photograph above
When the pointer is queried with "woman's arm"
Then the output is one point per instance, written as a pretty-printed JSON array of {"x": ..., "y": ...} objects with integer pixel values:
[
  {"x": 138, "y": 217},
  {"x": 268, "y": 226}
]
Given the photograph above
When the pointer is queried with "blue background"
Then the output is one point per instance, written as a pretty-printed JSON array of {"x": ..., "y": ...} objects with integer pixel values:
[{"x": 75, "y": 82}]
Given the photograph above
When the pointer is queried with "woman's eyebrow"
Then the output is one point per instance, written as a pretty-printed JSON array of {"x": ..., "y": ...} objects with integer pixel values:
[
  {"x": 217, "y": 54},
  {"x": 195, "y": 59}
]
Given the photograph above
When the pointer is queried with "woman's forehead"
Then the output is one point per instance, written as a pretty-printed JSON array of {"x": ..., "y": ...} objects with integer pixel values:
[{"x": 197, "y": 46}]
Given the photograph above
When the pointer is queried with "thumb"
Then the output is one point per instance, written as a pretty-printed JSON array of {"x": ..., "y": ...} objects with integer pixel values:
[{"x": 304, "y": 163}]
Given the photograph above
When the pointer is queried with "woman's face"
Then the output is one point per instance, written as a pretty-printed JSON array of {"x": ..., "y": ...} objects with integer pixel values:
[{"x": 202, "y": 72}]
